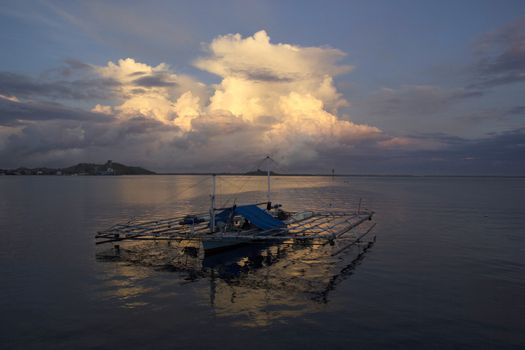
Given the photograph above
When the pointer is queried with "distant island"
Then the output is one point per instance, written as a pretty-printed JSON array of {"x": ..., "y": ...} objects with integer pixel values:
[
  {"x": 260, "y": 172},
  {"x": 108, "y": 168}
]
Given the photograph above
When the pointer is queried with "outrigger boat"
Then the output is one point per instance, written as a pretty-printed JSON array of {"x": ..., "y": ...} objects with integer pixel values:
[{"x": 223, "y": 228}]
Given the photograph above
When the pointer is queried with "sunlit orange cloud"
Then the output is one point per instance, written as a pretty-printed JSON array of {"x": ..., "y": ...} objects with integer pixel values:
[
  {"x": 285, "y": 92},
  {"x": 9, "y": 98},
  {"x": 411, "y": 143}
]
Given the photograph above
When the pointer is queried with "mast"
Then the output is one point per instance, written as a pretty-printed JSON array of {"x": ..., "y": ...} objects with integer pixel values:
[
  {"x": 212, "y": 207},
  {"x": 268, "y": 175}
]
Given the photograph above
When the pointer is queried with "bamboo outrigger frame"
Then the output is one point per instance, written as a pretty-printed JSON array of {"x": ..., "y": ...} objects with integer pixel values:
[{"x": 320, "y": 227}]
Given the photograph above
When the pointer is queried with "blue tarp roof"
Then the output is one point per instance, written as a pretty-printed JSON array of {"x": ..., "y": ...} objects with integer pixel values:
[{"x": 253, "y": 214}]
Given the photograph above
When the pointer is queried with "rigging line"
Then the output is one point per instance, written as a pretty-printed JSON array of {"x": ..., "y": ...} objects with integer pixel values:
[
  {"x": 262, "y": 161},
  {"x": 276, "y": 163},
  {"x": 258, "y": 167},
  {"x": 238, "y": 190},
  {"x": 248, "y": 178},
  {"x": 228, "y": 198},
  {"x": 219, "y": 189}
]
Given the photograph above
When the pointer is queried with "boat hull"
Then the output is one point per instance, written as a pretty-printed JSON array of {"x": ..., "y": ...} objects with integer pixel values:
[{"x": 211, "y": 246}]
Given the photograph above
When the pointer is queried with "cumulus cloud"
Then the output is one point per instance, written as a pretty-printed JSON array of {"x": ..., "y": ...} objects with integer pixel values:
[
  {"x": 256, "y": 58},
  {"x": 290, "y": 86},
  {"x": 254, "y": 71},
  {"x": 153, "y": 91},
  {"x": 277, "y": 98}
]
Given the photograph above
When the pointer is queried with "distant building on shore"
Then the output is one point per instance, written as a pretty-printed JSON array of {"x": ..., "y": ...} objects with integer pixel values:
[{"x": 109, "y": 169}]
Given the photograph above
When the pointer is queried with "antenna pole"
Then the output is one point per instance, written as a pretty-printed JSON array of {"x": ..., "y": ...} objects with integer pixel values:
[
  {"x": 268, "y": 175},
  {"x": 212, "y": 208}
]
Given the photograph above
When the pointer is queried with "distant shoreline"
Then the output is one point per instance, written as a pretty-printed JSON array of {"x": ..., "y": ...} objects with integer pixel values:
[{"x": 111, "y": 168}]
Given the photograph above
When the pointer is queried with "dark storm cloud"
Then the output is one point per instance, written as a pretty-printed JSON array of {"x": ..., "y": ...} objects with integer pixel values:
[
  {"x": 497, "y": 154},
  {"x": 44, "y": 137},
  {"x": 263, "y": 75},
  {"x": 502, "y": 56},
  {"x": 135, "y": 74},
  {"x": 148, "y": 142},
  {"x": 76, "y": 64},
  {"x": 142, "y": 125},
  {"x": 66, "y": 142},
  {"x": 138, "y": 91},
  {"x": 12, "y": 84},
  {"x": 495, "y": 147},
  {"x": 69, "y": 67},
  {"x": 220, "y": 123},
  {"x": 268, "y": 120},
  {"x": 501, "y": 153},
  {"x": 13, "y": 113},
  {"x": 159, "y": 80}
]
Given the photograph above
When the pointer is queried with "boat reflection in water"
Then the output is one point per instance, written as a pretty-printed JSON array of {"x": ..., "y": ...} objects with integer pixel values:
[{"x": 256, "y": 284}]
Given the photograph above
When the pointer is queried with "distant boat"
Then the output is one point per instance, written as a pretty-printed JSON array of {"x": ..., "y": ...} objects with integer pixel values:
[{"x": 224, "y": 228}]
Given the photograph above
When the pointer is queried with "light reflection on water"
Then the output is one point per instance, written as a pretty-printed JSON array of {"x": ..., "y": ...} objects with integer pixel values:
[
  {"x": 191, "y": 193},
  {"x": 260, "y": 283}
]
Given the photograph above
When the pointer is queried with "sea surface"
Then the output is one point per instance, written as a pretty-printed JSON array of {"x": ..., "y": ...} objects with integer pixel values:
[{"x": 446, "y": 270}]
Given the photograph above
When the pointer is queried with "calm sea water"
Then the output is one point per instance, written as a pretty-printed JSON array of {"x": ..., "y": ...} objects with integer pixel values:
[{"x": 447, "y": 270}]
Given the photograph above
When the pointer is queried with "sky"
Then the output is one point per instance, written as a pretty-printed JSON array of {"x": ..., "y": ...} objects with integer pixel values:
[{"x": 362, "y": 87}]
